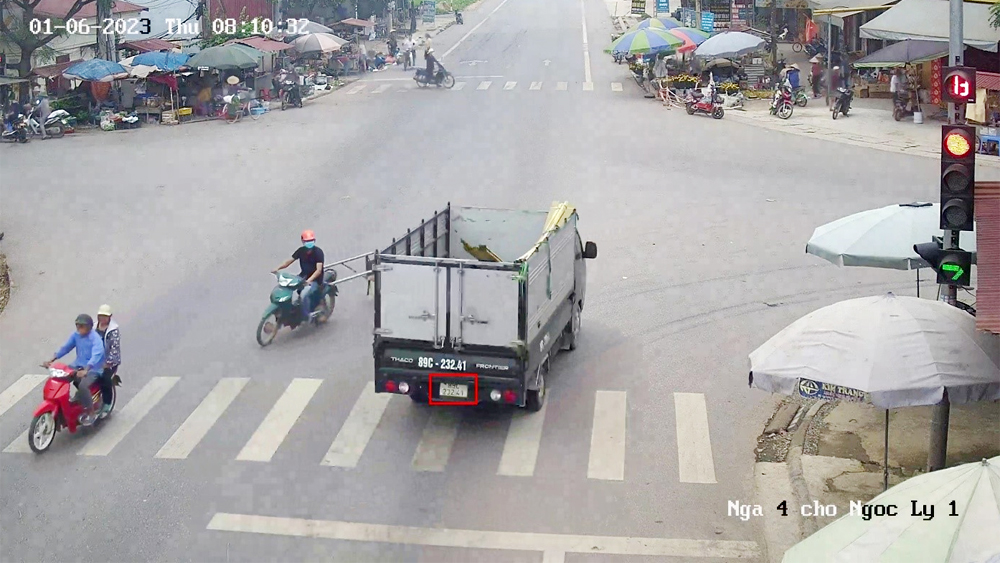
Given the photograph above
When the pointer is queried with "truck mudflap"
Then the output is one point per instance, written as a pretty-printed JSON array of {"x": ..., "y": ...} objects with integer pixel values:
[{"x": 442, "y": 378}]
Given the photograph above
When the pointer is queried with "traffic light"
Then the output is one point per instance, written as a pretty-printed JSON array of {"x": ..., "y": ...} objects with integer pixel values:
[
  {"x": 959, "y": 84},
  {"x": 953, "y": 267},
  {"x": 958, "y": 176}
]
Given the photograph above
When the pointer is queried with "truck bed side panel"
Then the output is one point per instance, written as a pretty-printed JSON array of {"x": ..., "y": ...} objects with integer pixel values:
[
  {"x": 484, "y": 306},
  {"x": 550, "y": 277},
  {"x": 412, "y": 301}
]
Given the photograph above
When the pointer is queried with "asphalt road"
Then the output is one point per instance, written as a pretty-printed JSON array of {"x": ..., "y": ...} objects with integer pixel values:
[{"x": 700, "y": 225}]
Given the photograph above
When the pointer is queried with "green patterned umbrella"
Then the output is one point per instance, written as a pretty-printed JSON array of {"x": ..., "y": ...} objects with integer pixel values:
[
  {"x": 646, "y": 40},
  {"x": 658, "y": 23}
]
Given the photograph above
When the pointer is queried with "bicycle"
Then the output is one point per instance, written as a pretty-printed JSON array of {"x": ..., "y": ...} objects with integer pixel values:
[{"x": 234, "y": 108}]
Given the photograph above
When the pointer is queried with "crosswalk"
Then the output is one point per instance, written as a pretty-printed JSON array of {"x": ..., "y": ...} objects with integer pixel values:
[
  {"x": 403, "y": 85},
  {"x": 608, "y": 444}
]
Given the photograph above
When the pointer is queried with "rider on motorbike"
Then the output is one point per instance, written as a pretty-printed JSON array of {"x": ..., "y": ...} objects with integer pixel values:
[
  {"x": 431, "y": 63},
  {"x": 89, "y": 362},
  {"x": 310, "y": 259}
]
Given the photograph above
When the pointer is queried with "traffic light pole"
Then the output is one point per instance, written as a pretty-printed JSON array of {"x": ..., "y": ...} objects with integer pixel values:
[{"x": 937, "y": 455}]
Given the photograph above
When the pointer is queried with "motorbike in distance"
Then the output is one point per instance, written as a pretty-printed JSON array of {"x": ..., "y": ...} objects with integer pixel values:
[
  {"x": 843, "y": 102},
  {"x": 696, "y": 102},
  {"x": 58, "y": 410},
  {"x": 15, "y": 128},
  {"x": 781, "y": 102},
  {"x": 284, "y": 310},
  {"x": 291, "y": 95},
  {"x": 902, "y": 106},
  {"x": 441, "y": 78}
]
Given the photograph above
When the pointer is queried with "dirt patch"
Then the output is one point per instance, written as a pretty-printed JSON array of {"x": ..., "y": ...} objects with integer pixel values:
[{"x": 4, "y": 283}]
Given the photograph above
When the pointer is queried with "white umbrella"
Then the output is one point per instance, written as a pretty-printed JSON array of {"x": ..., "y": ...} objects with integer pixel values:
[
  {"x": 966, "y": 502},
  {"x": 729, "y": 44},
  {"x": 306, "y": 26},
  {"x": 318, "y": 43},
  {"x": 883, "y": 237},
  {"x": 890, "y": 351}
]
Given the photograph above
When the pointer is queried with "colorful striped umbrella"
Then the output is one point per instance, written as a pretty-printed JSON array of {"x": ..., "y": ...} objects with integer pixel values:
[
  {"x": 642, "y": 41},
  {"x": 691, "y": 37},
  {"x": 658, "y": 23}
]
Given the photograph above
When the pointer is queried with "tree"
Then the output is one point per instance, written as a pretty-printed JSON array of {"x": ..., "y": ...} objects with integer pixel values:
[
  {"x": 995, "y": 14},
  {"x": 18, "y": 32}
]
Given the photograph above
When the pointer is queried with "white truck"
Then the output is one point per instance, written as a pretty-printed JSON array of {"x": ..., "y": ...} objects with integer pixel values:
[{"x": 471, "y": 306}]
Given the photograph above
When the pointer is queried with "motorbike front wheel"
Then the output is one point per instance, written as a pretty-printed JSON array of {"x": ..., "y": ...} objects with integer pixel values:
[
  {"x": 284, "y": 101},
  {"x": 718, "y": 112},
  {"x": 42, "y": 432},
  {"x": 267, "y": 329},
  {"x": 448, "y": 81},
  {"x": 785, "y": 110},
  {"x": 897, "y": 114},
  {"x": 836, "y": 110}
]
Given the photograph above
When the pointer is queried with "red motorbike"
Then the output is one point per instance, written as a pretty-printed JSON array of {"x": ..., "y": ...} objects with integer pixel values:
[
  {"x": 711, "y": 104},
  {"x": 58, "y": 411}
]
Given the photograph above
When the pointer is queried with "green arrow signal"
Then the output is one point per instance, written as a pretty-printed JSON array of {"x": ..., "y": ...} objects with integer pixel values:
[{"x": 953, "y": 268}]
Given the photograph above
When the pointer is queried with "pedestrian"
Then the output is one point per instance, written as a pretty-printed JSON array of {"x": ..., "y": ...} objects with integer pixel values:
[
  {"x": 835, "y": 80},
  {"x": 107, "y": 329},
  {"x": 392, "y": 45},
  {"x": 817, "y": 76},
  {"x": 363, "y": 57},
  {"x": 897, "y": 85},
  {"x": 42, "y": 103}
]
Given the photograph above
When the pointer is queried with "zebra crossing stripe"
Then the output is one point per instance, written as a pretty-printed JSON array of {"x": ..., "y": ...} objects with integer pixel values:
[
  {"x": 458, "y": 86},
  {"x": 694, "y": 446},
  {"x": 607, "y": 442},
  {"x": 535, "y": 86},
  {"x": 18, "y": 390},
  {"x": 381, "y": 88},
  {"x": 356, "y": 89},
  {"x": 509, "y": 85},
  {"x": 484, "y": 85},
  {"x": 278, "y": 423},
  {"x": 435, "y": 445},
  {"x": 520, "y": 450},
  {"x": 354, "y": 435},
  {"x": 115, "y": 428},
  {"x": 205, "y": 415},
  {"x": 588, "y": 86},
  {"x": 562, "y": 86}
]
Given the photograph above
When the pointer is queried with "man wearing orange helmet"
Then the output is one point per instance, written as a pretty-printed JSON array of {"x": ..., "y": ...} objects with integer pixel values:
[{"x": 310, "y": 259}]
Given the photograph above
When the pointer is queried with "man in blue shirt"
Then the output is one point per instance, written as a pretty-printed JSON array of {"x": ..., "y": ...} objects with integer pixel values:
[{"x": 89, "y": 362}]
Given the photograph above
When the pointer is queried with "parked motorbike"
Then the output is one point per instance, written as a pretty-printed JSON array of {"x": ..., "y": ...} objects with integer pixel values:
[
  {"x": 15, "y": 128},
  {"x": 458, "y": 18},
  {"x": 843, "y": 102},
  {"x": 781, "y": 103},
  {"x": 902, "y": 106},
  {"x": 291, "y": 94},
  {"x": 441, "y": 78},
  {"x": 815, "y": 47},
  {"x": 285, "y": 310},
  {"x": 58, "y": 411},
  {"x": 799, "y": 97},
  {"x": 697, "y": 102}
]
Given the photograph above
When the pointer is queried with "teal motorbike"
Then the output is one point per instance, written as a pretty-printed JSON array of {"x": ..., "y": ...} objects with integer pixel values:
[{"x": 285, "y": 308}]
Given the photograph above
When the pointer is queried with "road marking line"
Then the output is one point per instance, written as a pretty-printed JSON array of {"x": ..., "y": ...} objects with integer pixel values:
[
  {"x": 694, "y": 446},
  {"x": 356, "y": 89},
  {"x": 509, "y": 85},
  {"x": 607, "y": 442},
  {"x": 115, "y": 428},
  {"x": 354, "y": 435},
  {"x": 19, "y": 445},
  {"x": 18, "y": 390},
  {"x": 562, "y": 85},
  {"x": 535, "y": 86},
  {"x": 586, "y": 47},
  {"x": 616, "y": 86},
  {"x": 279, "y": 421},
  {"x": 484, "y": 85},
  {"x": 588, "y": 86},
  {"x": 435, "y": 445},
  {"x": 473, "y": 30},
  {"x": 520, "y": 449},
  {"x": 381, "y": 88},
  {"x": 458, "y": 86},
  {"x": 553, "y": 556},
  {"x": 205, "y": 415},
  {"x": 476, "y": 539}
]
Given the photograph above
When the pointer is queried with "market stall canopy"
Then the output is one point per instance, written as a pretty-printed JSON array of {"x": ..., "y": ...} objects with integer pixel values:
[
  {"x": 262, "y": 44},
  {"x": 695, "y": 36},
  {"x": 729, "y": 44},
  {"x": 837, "y": 19},
  {"x": 7, "y": 81},
  {"x": 657, "y": 23},
  {"x": 973, "y": 487},
  {"x": 355, "y": 22},
  {"x": 910, "y": 51},
  {"x": 890, "y": 351},
  {"x": 226, "y": 57},
  {"x": 308, "y": 26},
  {"x": 317, "y": 43},
  {"x": 52, "y": 71},
  {"x": 96, "y": 70},
  {"x": 929, "y": 19},
  {"x": 165, "y": 61},
  {"x": 643, "y": 41},
  {"x": 883, "y": 237},
  {"x": 147, "y": 45}
]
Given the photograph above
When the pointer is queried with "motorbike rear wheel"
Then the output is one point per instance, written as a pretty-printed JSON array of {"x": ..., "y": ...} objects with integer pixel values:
[
  {"x": 689, "y": 108},
  {"x": 42, "y": 432},
  {"x": 718, "y": 113},
  {"x": 56, "y": 131},
  {"x": 267, "y": 329},
  {"x": 801, "y": 101},
  {"x": 897, "y": 114},
  {"x": 326, "y": 308}
]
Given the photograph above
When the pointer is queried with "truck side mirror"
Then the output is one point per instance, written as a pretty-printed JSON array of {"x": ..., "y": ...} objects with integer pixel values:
[{"x": 590, "y": 250}]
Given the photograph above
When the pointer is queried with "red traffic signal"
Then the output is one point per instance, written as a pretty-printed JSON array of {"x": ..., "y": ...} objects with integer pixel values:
[
  {"x": 958, "y": 177},
  {"x": 959, "y": 85}
]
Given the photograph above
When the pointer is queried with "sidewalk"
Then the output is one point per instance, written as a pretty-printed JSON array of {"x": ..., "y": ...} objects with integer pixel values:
[
  {"x": 870, "y": 125},
  {"x": 831, "y": 454}
]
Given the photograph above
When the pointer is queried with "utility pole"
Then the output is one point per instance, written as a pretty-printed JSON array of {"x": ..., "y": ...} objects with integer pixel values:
[
  {"x": 772, "y": 28},
  {"x": 829, "y": 56},
  {"x": 937, "y": 456},
  {"x": 206, "y": 24}
]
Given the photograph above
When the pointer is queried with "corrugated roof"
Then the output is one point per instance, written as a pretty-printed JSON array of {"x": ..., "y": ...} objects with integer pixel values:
[
  {"x": 59, "y": 8},
  {"x": 988, "y": 80},
  {"x": 52, "y": 71},
  {"x": 263, "y": 44},
  {"x": 147, "y": 45},
  {"x": 988, "y": 256}
]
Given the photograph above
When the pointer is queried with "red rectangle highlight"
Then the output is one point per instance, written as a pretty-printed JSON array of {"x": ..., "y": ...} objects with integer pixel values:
[{"x": 466, "y": 376}]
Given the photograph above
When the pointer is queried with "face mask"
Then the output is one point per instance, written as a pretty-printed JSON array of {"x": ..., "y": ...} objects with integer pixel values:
[{"x": 310, "y": 244}]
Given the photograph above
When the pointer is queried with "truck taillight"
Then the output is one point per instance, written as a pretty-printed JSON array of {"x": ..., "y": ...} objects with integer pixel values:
[
  {"x": 510, "y": 396},
  {"x": 390, "y": 386}
]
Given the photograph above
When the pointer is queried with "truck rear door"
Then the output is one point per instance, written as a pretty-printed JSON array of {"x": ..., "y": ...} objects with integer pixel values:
[
  {"x": 412, "y": 299},
  {"x": 485, "y": 304}
]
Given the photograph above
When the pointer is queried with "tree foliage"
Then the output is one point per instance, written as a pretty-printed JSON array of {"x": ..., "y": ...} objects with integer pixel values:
[
  {"x": 17, "y": 31},
  {"x": 995, "y": 14}
]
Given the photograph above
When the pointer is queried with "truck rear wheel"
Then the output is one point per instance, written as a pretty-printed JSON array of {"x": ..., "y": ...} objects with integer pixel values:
[
  {"x": 573, "y": 328},
  {"x": 534, "y": 400}
]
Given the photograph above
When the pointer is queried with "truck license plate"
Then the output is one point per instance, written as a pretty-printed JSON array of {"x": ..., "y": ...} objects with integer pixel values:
[{"x": 452, "y": 390}]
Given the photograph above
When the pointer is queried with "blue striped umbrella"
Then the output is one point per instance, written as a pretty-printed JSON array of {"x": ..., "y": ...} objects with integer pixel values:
[
  {"x": 658, "y": 23},
  {"x": 647, "y": 40}
]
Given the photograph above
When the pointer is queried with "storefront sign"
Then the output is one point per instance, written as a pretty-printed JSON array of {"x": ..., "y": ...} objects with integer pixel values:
[
  {"x": 708, "y": 22},
  {"x": 783, "y": 4},
  {"x": 638, "y": 6},
  {"x": 429, "y": 11},
  {"x": 818, "y": 390},
  {"x": 662, "y": 6},
  {"x": 689, "y": 17}
]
